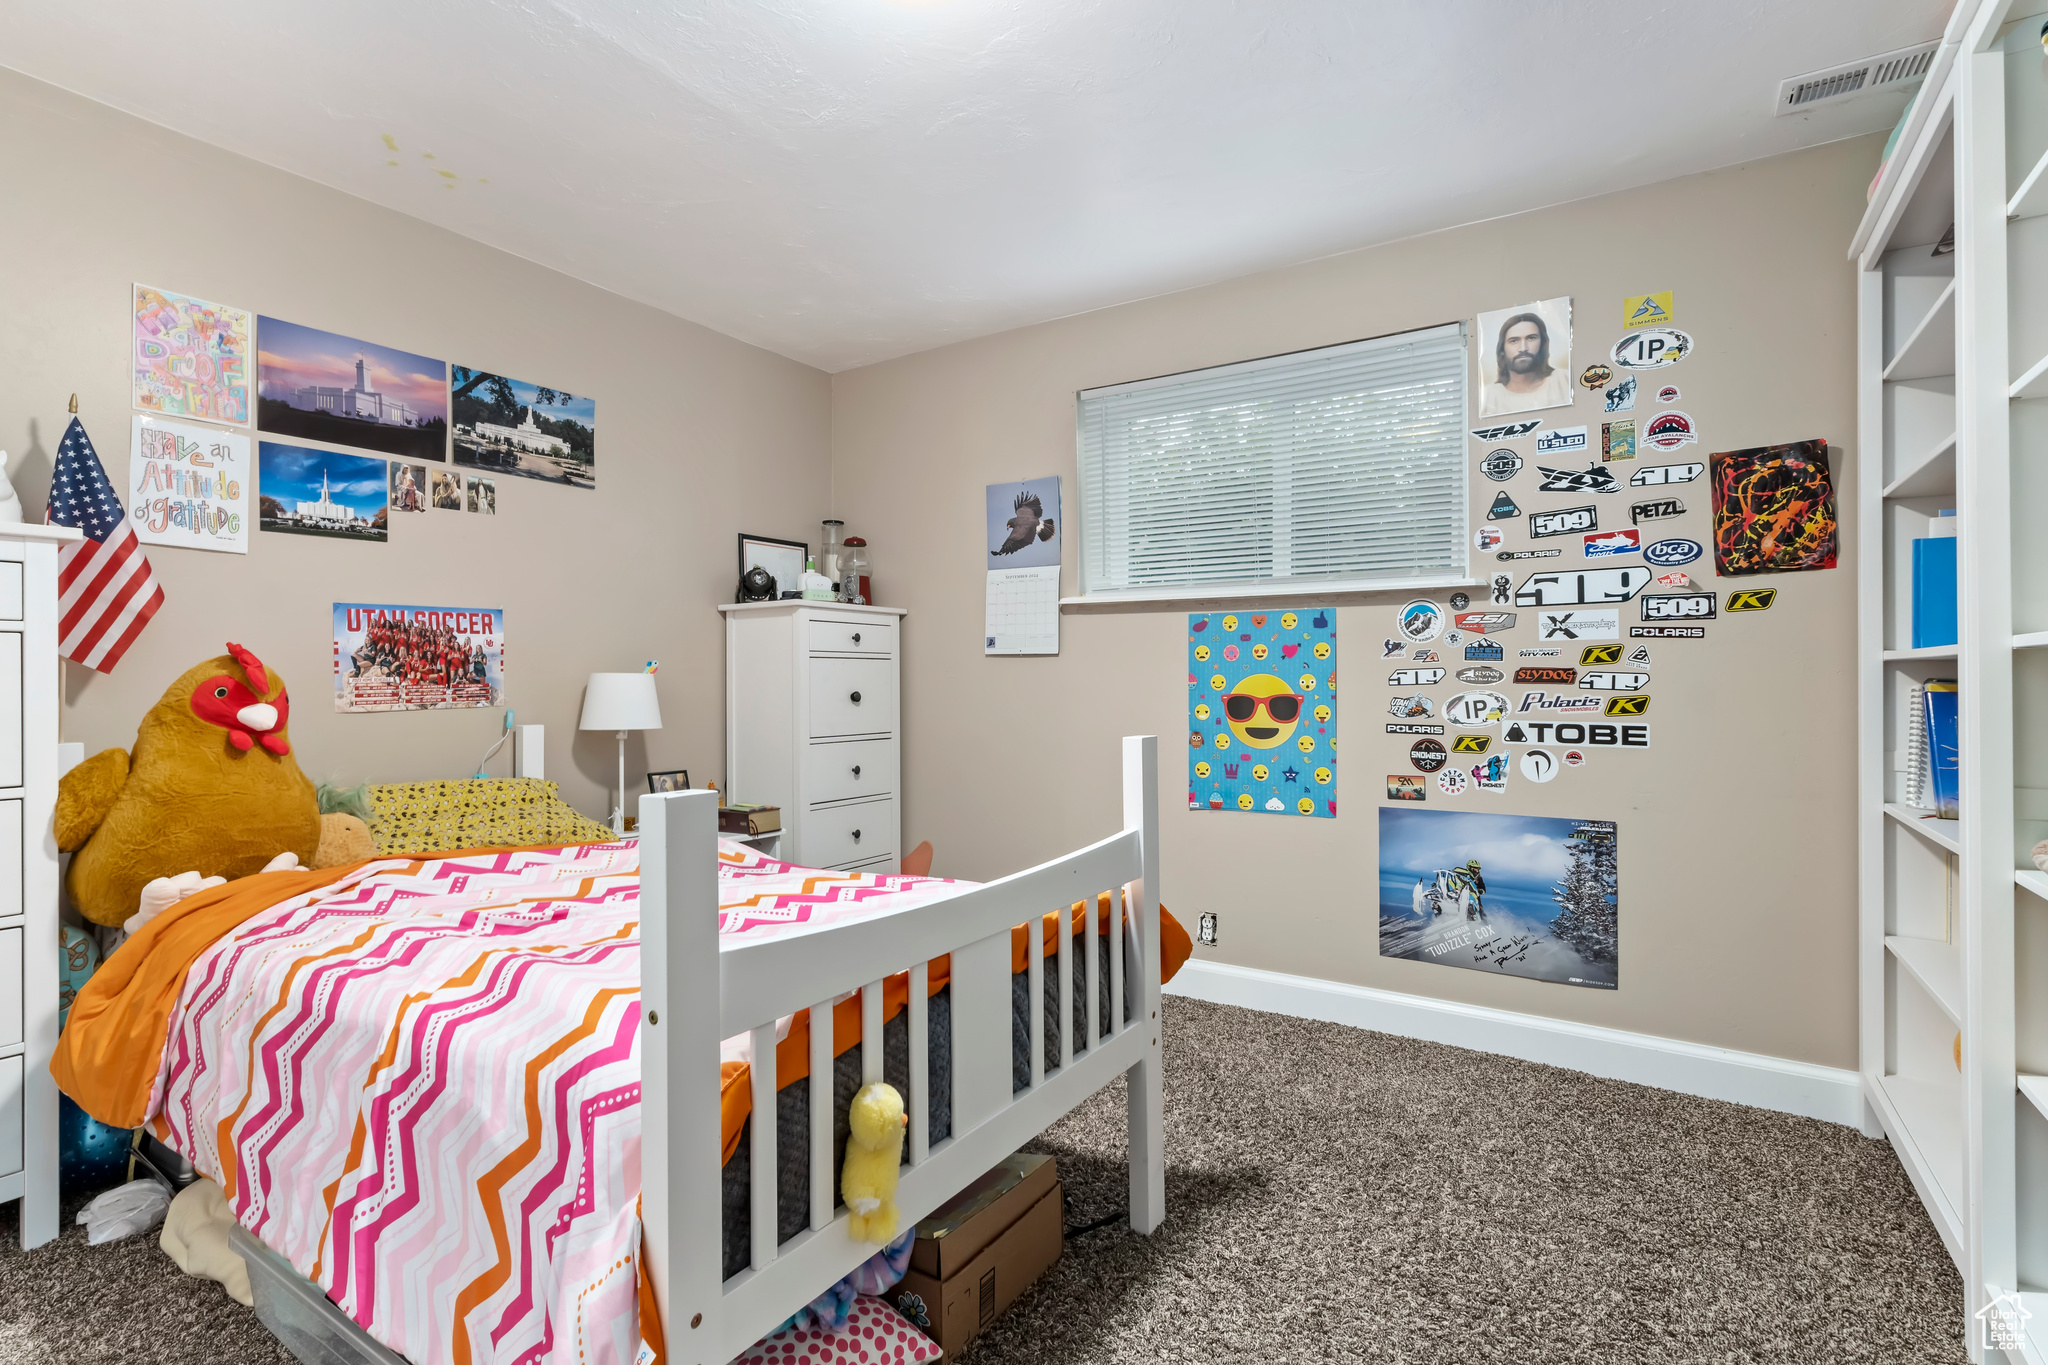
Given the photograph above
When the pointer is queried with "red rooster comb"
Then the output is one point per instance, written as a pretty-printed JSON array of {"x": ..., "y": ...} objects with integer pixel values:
[{"x": 253, "y": 666}]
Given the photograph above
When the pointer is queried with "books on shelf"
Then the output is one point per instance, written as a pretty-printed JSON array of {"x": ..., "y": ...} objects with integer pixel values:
[
  {"x": 1943, "y": 753},
  {"x": 1934, "y": 584},
  {"x": 1914, "y": 791}
]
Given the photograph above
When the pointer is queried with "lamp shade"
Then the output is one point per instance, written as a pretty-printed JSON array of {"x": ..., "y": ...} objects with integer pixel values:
[{"x": 620, "y": 701}]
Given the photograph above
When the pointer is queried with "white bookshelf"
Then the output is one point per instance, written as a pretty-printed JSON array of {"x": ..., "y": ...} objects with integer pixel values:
[{"x": 1952, "y": 359}]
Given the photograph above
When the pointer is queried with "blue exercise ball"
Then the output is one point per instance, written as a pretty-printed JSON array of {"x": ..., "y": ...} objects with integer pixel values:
[{"x": 90, "y": 1155}]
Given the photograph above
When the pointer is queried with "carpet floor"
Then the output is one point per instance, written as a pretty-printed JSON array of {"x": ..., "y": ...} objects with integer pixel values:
[{"x": 1335, "y": 1195}]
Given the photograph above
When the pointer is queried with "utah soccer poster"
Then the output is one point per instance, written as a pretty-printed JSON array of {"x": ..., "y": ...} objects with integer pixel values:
[
  {"x": 1262, "y": 711},
  {"x": 1517, "y": 895},
  {"x": 393, "y": 658}
]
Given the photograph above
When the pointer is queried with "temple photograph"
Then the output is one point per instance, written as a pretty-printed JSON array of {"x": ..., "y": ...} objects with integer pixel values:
[{"x": 509, "y": 426}]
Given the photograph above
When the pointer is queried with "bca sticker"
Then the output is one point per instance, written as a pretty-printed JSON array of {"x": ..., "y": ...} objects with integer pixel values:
[{"x": 1751, "y": 599}]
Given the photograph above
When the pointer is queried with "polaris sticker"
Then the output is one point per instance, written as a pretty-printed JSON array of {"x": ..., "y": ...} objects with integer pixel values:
[
  {"x": 1557, "y": 701},
  {"x": 1415, "y": 729},
  {"x": 1667, "y": 632},
  {"x": 1509, "y": 556}
]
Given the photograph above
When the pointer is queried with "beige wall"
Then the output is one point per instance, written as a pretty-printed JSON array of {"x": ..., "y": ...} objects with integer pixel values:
[
  {"x": 1737, "y": 842},
  {"x": 698, "y": 437}
]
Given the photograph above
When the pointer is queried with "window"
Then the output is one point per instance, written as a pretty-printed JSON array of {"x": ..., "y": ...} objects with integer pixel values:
[{"x": 1342, "y": 467}]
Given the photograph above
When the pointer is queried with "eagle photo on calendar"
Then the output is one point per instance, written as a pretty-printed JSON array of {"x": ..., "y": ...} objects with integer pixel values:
[{"x": 1023, "y": 524}]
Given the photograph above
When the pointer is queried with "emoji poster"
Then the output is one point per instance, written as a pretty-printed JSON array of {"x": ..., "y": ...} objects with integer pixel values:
[
  {"x": 1516, "y": 895},
  {"x": 1774, "y": 509},
  {"x": 1262, "y": 711}
]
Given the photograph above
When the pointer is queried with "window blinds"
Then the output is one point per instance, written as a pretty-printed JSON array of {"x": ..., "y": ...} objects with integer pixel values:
[{"x": 1338, "y": 466}]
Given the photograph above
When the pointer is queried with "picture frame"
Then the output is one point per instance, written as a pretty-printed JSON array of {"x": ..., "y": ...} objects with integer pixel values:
[
  {"x": 676, "y": 781},
  {"x": 785, "y": 559}
]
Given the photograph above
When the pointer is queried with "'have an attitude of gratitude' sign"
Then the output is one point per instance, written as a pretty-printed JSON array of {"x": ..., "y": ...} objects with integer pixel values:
[{"x": 188, "y": 485}]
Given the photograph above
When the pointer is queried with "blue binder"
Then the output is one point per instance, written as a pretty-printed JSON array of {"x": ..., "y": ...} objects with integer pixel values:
[
  {"x": 1943, "y": 766},
  {"x": 1934, "y": 591}
]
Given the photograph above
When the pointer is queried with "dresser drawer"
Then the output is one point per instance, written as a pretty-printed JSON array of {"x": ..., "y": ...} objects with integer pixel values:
[
  {"x": 10, "y": 857},
  {"x": 849, "y": 834},
  {"x": 873, "y": 867},
  {"x": 851, "y": 697},
  {"x": 851, "y": 768},
  {"x": 10, "y": 984},
  {"x": 853, "y": 637},
  {"x": 12, "y": 1111},
  {"x": 11, "y": 598},
  {"x": 10, "y": 708}
]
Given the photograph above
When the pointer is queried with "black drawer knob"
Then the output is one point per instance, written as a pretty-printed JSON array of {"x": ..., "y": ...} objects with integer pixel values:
[
  {"x": 856, "y": 699},
  {"x": 856, "y": 637},
  {"x": 856, "y": 770},
  {"x": 856, "y": 836}
]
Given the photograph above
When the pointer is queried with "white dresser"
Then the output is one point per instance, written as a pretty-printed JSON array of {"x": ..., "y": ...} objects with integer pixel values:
[
  {"x": 28, "y": 873},
  {"x": 812, "y": 726}
]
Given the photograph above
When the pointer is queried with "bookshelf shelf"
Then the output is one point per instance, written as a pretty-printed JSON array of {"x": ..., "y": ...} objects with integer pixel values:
[
  {"x": 2029, "y": 879},
  {"x": 1932, "y": 475},
  {"x": 1945, "y": 834},
  {"x": 1931, "y": 348},
  {"x": 2032, "y": 384},
  {"x": 1930, "y": 652},
  {"x": 1937, "y": 966},
  {"x": 2030, "y": 200},
  {"x": 2035, "y": 1088},
  {"x": 2030, "y": 641}
]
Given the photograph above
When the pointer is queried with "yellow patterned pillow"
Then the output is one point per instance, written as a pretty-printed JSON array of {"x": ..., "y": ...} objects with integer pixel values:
[{"x": 434, "y": 817}]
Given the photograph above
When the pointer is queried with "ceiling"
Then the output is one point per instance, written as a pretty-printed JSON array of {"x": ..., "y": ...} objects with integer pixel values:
[{"x": 843, "y": 181}]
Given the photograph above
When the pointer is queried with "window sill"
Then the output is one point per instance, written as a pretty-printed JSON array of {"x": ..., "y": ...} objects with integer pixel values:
[{"x": 1181, "y": 598}]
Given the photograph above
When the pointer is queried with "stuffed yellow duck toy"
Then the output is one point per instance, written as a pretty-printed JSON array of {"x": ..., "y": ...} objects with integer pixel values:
[{"x": 874, "y": 1155}]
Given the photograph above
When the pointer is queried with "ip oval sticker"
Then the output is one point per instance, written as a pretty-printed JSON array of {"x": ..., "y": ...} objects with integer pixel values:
[{"x": 1652, "y": 348}]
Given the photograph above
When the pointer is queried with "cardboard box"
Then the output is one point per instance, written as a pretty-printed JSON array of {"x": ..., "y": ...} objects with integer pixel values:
[
  {"x": 749, "y": 819},
  {"x": 986, "y": 1246}
]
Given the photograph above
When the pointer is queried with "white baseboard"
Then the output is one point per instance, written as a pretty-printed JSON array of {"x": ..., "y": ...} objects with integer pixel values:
[{"x": 1818, "y": 1092}]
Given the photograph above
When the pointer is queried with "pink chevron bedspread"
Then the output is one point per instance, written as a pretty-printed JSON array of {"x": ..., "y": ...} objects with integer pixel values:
[{"x": 422, "y": 1086}]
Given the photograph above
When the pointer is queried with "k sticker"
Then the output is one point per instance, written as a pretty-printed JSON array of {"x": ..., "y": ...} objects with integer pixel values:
[
  {"x": 1752, "y": 599},
  {"x": 1657, "y": 509},
  {"x": 1406, "y": 787},
  {"x": 1622, "y": 397},
  {"x": 1503, "y": 508},
  {"x": 1599, "y": 654},
  {"x": 1507, "y": 431},
  {"x": 1666, "y": 553},
  {"x": 1427, "y": 755},
  {"x": 1503, "y": 589},
  {"x": 1618, "y": 440},
  {"x": 1624, "y": 540},
  {"x": 1595, "y": 376},
  {"x": 1581, "y": 587},
  {"x": 1579, "y": 625},
  {"x": 1422, "y": 620},
  {"x": 1501, "y": 465},
  {"x": 1487, "y": 538},
  {"x": 1481, "y": 676},
  {"x": 1646, "y": 310},
  {"x": 1652, "y": 474},
  {"x": 1471, "y": 744},
  {"x": 1605, "y": 681},
  {"x": 1637, "y": 705},
  {"x": 1667, "y": 431},
  {"x": 1539, "y": 765},
  {"x": 1591, "y": 479},
  {"x": 1564, "y": 522},
  {"x": 1652, "y": 348},
  {"x": 1415, "y": 677},
  {"x": 1561, "y": 441}
]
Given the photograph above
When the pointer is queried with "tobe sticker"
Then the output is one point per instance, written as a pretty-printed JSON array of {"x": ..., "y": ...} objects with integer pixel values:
[
  {"x": 1486, "y": 622},
  {"x": 1658, "y": 509},
  {"x": 1591, "y": 479},
  {"x": 1506, "y": 431},
  {"x": 1618, "y": 440},
  {"x": 1669, "y": 552},
  {"x": 1667, "y": 431},
  {"x": 1581, "y": 587},
  {"x": 1415, "y": 677},
  {"x": 1561, "y": 441},
  {"x": 1503, "y": 508},
  {"x": 1621, "y": 397},
  {"x": 1751, "y": 599},
  {"x": 1487, "y": 538},
  {"x": 1604, "y": 681},
  {"x": 1501, "y": 465},
  {"x": 1678, "y": 606},
  {"x": 1580, "y": 625},
  {"x": 1625, "y": 540},
  {"x": 1652, "y": 348},
  {"x": 1422, "y": 620},
  {"x": 1566, "y": 521},
  {"x": 1592, "y": 734},
  {"x": 1406, "y": 787},
  {"x": 1475, "y": 710},
  {"x": 1652, "y": 474}
]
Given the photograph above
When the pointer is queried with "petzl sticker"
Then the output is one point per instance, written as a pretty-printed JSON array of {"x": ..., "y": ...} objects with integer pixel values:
[
  {"x": 1652, "y": 348},
  {"x": 1657, "y": 509}
]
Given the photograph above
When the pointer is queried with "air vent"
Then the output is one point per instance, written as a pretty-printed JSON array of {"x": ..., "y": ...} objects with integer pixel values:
[{"x": 1889, "y": 71}]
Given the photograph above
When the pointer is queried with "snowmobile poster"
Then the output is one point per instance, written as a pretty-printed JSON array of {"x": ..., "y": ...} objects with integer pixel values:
[{"x": 1531, "y": 896}]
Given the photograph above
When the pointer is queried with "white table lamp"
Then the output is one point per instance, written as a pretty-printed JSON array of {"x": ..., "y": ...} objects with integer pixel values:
[{"x": 621, "y": 702}]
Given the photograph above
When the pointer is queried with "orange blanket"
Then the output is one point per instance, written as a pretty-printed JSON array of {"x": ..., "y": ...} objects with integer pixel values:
[{"x": 108, "y": 1055}]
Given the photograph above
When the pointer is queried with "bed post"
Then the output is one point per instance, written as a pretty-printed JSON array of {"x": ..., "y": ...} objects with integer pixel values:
[
  {"x": 679, "y": 1003},
  {"x": 1143, "y": 1081}
]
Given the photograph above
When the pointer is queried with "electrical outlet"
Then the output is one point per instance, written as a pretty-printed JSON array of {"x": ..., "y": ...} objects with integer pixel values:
[{"x": 1205, "y": 930}]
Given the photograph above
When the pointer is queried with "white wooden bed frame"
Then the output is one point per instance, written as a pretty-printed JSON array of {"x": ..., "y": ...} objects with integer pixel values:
[{"x": 696, "y": 991}]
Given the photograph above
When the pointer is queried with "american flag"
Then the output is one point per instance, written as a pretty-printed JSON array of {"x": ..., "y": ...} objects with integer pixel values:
[{"x": 105, "y": 591}]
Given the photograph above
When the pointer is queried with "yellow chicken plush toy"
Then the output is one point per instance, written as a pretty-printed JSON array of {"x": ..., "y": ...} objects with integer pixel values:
[{"x": 874, "y": 1155}]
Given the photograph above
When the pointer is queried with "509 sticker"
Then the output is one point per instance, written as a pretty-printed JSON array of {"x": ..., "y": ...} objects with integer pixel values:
[
  {"x": 1563, "y": 522},
  {"x": 1679, "y": 606},
  {"x": 1572, "y": 587},
  {"x": 1652, "y": 474}
]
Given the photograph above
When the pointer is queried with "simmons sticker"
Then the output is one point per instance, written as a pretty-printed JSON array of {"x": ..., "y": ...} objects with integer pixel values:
[
  {"x": 1404, "y": 787},
  {"x": 1487, "y": 538},
  {"x": 1481, "y": 676},
  {"x": 1508, "y": 556},
  {"x": 1667, "y": 431},
  {"x": 1625, "y": 540},
  {"x": 1591, "y": 479},
  {"x": 1647, "y": 310},
  {"x": 1475, "y": 710},
  {"x": 1530, "y": 677},
  {"x": 1421, "y": 620},
  {"x": 1651, "y": 475},
  {"x": 1503, "y": 508},
  {"x": 1567, "y": 702},
  {"x": 1752, "y": 599},
  {"x": 1668, "y": 552},
  {"x": 1658, "y": 509},
  {"x": 1561, "y": 441},
  {"x": 1539, "y": 765},
  {"x": 1577, "y": 587},
  {"x": 1679, "y": 606},
  {"x": 1411, "y": 707},
  {"x": 1486, "y": 622},
  {"x": 1483, "y": 650},
  {"x": 1415, "y": 677},
  {"x": 1667, "y": 632},
  {"x": 1652, "y": 348},
  {"x": 1599, "y": 654},
  {"x": 1471, "y": 744},
  {"x": 1615, "y": 682},
  {"x": 1579, "y": 625},
  {"x": 1564, "y": 522},
  {"x": 1595, "y": 376},
  {"x": 1506, "y": 431},
  {"x": 1621, "y": 397},
  {"x": 1415, "y": 729},
  {"x": 1637, "y": 705}
]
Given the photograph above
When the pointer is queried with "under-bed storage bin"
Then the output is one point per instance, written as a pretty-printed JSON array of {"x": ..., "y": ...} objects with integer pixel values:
[{"x": 304, "y": 1320}]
